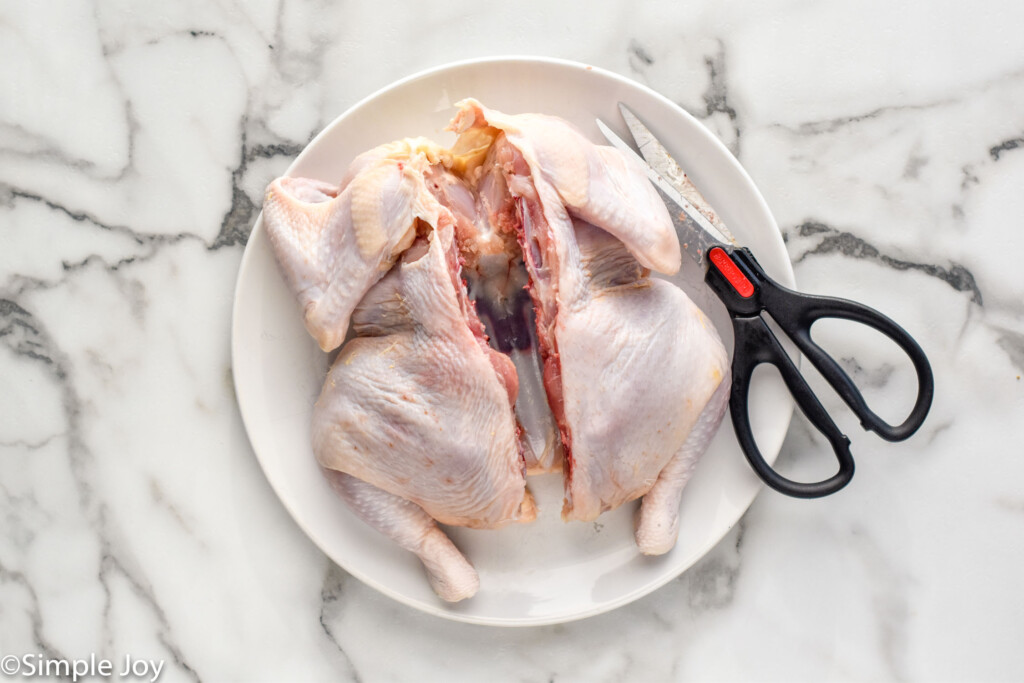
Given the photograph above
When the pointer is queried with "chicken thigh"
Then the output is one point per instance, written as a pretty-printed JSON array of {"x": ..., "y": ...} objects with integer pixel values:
[{"x": 635, "y": 374}]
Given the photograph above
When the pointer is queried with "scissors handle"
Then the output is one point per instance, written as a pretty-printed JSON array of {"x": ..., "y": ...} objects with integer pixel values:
[{"x": 747, "y": 292}]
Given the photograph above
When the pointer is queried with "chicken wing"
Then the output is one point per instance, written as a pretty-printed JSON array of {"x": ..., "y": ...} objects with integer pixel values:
[{"x": 332, "y": 242}]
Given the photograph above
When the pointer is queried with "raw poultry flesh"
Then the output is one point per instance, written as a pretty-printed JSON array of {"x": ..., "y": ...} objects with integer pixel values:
[
  {"x": 416, "y": 408},
  {"x": 616, "y": 377},
  {"x": 334, "y": 241},
  {"x": 632, "y": 367},
  {"x": 496, "y": 280}
]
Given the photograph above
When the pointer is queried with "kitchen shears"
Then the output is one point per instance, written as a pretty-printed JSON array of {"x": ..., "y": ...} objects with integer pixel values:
[{"x": 750, "y": 295}]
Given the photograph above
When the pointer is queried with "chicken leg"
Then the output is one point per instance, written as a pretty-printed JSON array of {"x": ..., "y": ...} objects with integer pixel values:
[{"x": 451, "y": 576}]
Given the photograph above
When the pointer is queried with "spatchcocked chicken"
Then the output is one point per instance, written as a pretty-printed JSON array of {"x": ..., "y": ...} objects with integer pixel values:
[{"x": 597, "y": 368}]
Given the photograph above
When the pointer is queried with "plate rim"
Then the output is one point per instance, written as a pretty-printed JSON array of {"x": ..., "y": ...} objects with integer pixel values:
[{"x": 786, "y": 277}]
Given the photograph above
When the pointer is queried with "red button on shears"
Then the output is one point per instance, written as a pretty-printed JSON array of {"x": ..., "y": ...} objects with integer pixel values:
[{"x": 731, "y": 272}]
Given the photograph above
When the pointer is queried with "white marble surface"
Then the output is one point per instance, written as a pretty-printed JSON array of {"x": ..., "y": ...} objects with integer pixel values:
[{"x": 135, "y": 140}]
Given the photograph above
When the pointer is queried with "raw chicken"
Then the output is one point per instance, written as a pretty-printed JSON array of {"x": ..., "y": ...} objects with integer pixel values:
[
  {"x": 333, "y": 242},
  {"x": 451, "y": 576},
  {"x": 506, "y": 310},
  {"x": 635, "y": 374},
  {"x": 417, "y": 404},
  {"x": 497, "y": 279},
  {"x": 493, "y": 265},
  {"x": 645, "y": 382},
  {"x": 414, "y": 424}
]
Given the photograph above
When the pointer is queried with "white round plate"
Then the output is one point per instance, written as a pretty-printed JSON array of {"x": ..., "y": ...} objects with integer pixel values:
[{"x": 548, "y": 571}]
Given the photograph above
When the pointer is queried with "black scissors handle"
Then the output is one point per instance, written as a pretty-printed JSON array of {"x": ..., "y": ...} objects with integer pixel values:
[{"x": 742, "y": 285}]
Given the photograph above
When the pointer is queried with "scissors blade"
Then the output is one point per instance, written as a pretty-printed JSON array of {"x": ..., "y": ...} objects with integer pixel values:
[
  {"x": 661, "y": 161},
  {"x": 651, "y": 150},
  {"x": 696, "y": 233}
]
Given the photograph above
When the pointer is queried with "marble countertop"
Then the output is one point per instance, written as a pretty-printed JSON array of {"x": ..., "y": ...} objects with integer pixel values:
[{"x": 135, "y": 141}]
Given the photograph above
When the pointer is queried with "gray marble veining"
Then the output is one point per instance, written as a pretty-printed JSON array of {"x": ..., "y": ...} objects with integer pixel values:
[{"x": 135, "y": 143}]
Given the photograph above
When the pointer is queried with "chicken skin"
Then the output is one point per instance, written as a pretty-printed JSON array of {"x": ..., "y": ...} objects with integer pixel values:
[
  {"x": 414, "y": 424},
  {"x": 420, "y": 421},
  {"x": 632, "y": 367}
]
